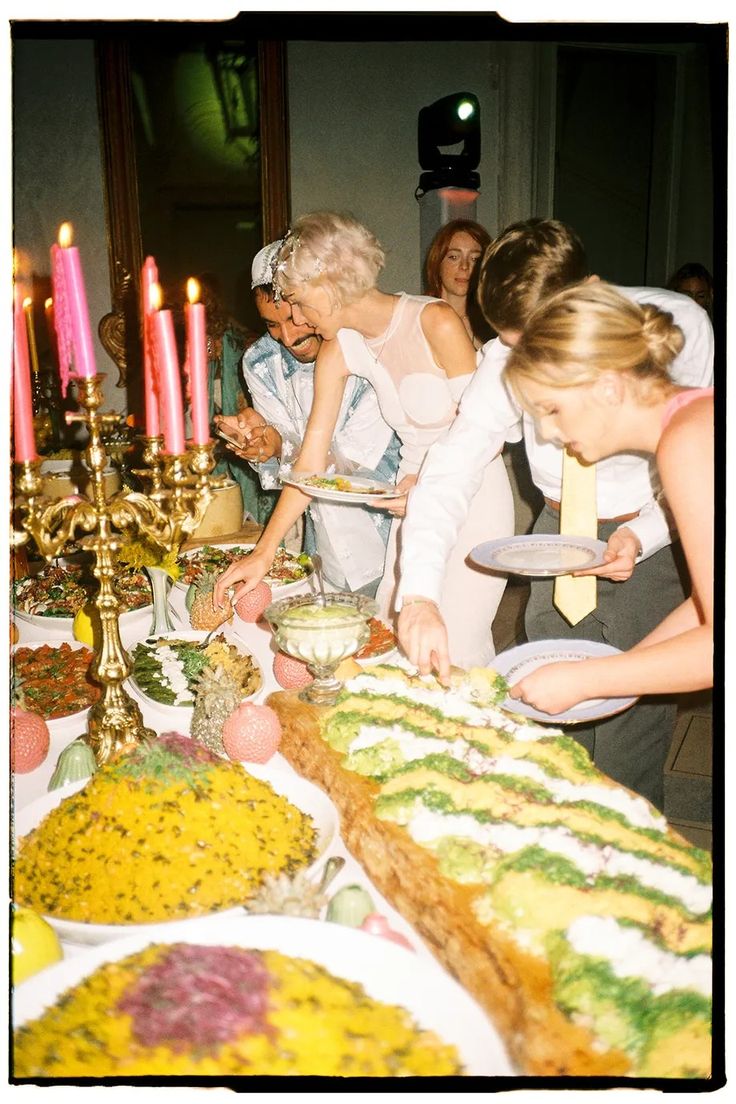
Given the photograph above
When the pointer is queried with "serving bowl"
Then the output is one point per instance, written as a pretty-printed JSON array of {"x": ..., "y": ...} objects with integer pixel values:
[
  {"x": 321, "y": 632},
  {"x": 181, "y": 713},
  {"x": 387, "y": 973},
  {"x": 303, "y": 795}
]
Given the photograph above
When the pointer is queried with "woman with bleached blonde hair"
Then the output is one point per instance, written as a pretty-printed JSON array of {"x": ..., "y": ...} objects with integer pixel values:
[
  {"x": 591, "y": 368},
  {"x": 416, "y": 353}
]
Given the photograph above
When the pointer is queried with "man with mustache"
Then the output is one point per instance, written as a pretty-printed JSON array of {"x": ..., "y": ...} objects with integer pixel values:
[{"x": 278, "y": 372}]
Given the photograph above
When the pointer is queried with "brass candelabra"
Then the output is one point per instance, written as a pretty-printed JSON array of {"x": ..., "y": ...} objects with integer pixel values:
[{"x": 180, "y": 490}]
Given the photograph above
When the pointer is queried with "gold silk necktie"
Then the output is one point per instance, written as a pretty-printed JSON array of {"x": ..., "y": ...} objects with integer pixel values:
[{"x": 575, "y": 598}]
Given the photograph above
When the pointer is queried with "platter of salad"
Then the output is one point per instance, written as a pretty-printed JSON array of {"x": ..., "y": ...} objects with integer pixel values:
[
  {"x": 380, "y": 644},
  {"x": 52, "y": 596},
  {"x": 53, "y": 680},
  {"x": 289, "y": 570},
  {"x": 166, "y": 668},
  {"x": 342, "y": 488}
]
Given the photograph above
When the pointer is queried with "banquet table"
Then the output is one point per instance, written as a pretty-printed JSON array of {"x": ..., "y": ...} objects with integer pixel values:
[{"x": 258, "y": 640}]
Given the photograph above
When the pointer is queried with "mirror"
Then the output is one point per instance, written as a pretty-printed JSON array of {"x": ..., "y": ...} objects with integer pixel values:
[{"x": 194, "y": 137}]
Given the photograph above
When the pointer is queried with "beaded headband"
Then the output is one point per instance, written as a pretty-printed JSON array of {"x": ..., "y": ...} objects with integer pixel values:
[{"x": 288, "y": 247}]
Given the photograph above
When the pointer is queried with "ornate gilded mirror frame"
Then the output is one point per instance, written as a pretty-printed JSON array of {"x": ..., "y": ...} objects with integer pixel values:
[{"x": 120, "y": 329}]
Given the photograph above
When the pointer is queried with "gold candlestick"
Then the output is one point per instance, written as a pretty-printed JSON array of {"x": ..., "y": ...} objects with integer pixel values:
[{"x": 164, "y": 516}]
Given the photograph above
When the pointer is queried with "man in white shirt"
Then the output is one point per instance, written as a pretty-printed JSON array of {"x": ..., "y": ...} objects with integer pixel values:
[
  {"x": 641, "y": 580},
  {"x": 278, "y": 371}
]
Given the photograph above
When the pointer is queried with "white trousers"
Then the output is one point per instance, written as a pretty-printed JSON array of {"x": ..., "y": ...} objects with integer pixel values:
[{"x": 470, "y": 597}]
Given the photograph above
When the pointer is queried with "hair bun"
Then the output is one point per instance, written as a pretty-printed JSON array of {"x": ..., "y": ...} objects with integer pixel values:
[{"x": 663, "y": 338}]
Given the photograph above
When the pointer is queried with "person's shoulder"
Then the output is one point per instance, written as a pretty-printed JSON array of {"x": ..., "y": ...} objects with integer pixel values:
[
  {"x": 262, "y": 349},
  {"x": 681, "y": 307},
  {"x": 439, "y": 318},
  {"x": 689, "y": 431}
]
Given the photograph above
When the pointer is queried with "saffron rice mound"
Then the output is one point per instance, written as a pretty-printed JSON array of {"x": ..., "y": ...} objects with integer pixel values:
[
  {"x": 168, "y": 832},
  {"x": 214, "y": 1011}
]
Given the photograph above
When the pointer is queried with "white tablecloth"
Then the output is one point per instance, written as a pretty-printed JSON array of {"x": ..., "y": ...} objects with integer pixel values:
[{"x": 258, "y": 640}]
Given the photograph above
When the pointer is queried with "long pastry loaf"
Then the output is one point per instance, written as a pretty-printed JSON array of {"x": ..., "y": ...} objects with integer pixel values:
[{"x": 560, "y": 900}]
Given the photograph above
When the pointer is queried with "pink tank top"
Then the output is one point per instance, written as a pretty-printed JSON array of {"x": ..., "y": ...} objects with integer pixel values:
[{"x": 683, "y": 398}]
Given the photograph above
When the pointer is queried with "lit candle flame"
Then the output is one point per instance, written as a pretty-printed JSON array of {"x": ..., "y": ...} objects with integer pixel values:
[
  {"x": 155, "y": 297},
  {"x": 192, "y": 290},
  {"x": 48, "y": 304},
  {"x": 65, "y": 235},
  {"x": 27, "y": 302}
]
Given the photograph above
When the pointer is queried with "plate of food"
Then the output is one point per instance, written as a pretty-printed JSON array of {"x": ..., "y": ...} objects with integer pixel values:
[
  {"x": 381, "y": 643},
  {"x": 53, "y": 680},
  {"x": 288, "y": 572},
  {"x": 518, "y": 662},
  {"x": 51, "y": 596},
  {"x": 380, "y": 1010},
  {"x": 539, "y": 554},
  {"x": 168, "y": 832},
  {"x": 342, "y": 488},
  {"x": 167, "y": 668}
]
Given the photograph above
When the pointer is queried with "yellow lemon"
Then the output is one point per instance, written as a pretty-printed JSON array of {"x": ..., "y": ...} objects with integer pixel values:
[
  {"x": 35, "y": 944},
  {"x": 86, "y": 625}
]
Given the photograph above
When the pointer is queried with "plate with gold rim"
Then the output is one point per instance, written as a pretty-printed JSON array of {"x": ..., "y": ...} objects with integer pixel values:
[
  {"x": 551, "y": 554},
  {"x": 516, "y": 663}
]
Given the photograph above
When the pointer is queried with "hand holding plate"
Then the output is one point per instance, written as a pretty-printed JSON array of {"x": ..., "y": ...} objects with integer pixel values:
[
  {"x": 397, "y": 506},
  {"x": 552, "y": 689},
  {"x": 620, "y": 556}
]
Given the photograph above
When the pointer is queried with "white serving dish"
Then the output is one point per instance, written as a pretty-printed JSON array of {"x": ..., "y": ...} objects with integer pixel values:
[
  {"x": 74, "y": 724},
  {"x": 302, "y": 794},
  {"x": 279, "y": 590},
  {"x": 387, "y": 972},
  {"x": 182, "y": 713}
]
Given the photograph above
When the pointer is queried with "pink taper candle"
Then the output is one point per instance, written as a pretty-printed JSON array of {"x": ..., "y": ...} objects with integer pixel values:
[
  {"x": 76, "y": 305},
  {"x": 197, "y": 365},
  {"x": 149, "y": 280},
  {"x": 25, "y": 444},
  {"x": 167, "y": 367}
]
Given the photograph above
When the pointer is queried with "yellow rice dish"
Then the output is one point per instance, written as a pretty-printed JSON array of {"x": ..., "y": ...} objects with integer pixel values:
[
  {"x": 169, "y": 832},
  {"x": 183, "y": 1009}
]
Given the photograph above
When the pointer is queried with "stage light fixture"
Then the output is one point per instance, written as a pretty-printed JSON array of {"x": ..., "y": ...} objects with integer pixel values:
[{"x": 450, "y": 122}]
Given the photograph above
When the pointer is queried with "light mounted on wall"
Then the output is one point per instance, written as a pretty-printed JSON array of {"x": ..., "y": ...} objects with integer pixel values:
[{"x": 445, "y": 125}]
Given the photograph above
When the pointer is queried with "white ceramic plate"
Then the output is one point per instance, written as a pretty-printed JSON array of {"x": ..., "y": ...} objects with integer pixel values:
[
  {"x": 182, "y": 713},
  {"x": 305, "y": 796},
  {"x": 64, "y": 625},
  {"x": 279, "y": 589},
  {"x": 74, "y": 724},
  {"x": 384, "y": 657},
  {"x": 387, "y": 972},
  {"x": 516, "y": 663},
  {"x": 539, "y": 555},
  {"x": 367, "y": 490}
]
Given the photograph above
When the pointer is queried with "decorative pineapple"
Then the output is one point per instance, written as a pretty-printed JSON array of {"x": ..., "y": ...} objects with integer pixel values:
[
  {"x": 297, "y": 895},
  {"x": 216, "y": 695},
  {"x": 199, "y": 602}
]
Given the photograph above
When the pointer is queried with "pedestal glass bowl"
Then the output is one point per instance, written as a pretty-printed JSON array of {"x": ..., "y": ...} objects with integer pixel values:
[{"x": 322, "y": 635}]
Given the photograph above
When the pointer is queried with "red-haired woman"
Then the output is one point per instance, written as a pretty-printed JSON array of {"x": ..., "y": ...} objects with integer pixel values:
[{"x": 451, "y": 273}]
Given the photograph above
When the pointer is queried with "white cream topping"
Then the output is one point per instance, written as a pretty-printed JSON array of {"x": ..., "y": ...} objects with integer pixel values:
[
  {"x": 594, "y": 861},
  {"x": 172, "y": 672},
  {"x": 631, "y": 954},
  {"x": 412, "y": 747},
  {"x": 636, "y": 809},
  {"x": 450, "y": 703}
]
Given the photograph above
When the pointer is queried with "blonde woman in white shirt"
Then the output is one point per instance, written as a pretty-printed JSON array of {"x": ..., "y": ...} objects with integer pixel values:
[{"x": 416, "y": 353}]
